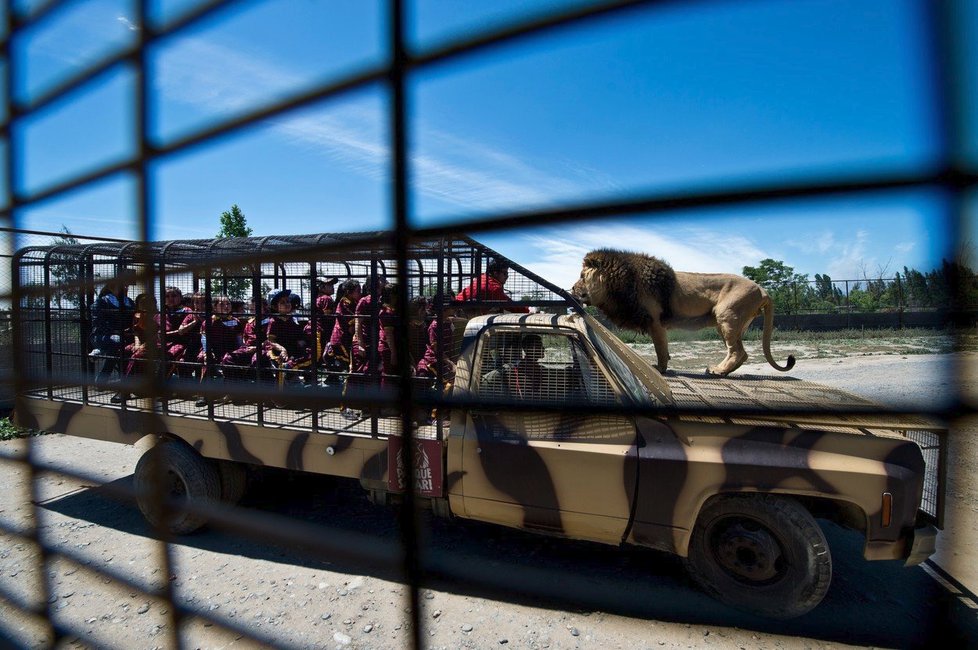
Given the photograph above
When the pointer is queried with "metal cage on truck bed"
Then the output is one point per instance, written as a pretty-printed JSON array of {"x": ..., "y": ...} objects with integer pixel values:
[{"x": 58, "y": 286}]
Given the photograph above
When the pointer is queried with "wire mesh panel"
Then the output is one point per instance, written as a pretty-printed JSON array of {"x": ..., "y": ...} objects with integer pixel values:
[
  {"x": 172, "y": 341},
  {"x": 264, "y": 342}
]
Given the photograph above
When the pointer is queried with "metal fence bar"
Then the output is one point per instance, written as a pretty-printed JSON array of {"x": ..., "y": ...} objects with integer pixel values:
[{"x": 951, "y": 174}]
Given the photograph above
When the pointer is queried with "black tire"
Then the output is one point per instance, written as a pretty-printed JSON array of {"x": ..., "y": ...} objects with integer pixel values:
[
  {"x": 187, "y": 478},
  {"x": 764, "y": 554},
  {"x": 234, "y": 481}
]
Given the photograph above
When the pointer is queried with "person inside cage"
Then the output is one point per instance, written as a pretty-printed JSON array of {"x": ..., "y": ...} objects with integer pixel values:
[
  {"x": 145, "y": 333},
  {"x": 418, "y": 316},
  {"x": 320, "y": 325},
  {"x": 488, "y": 287},
  {"x": 439, "y": 337},
  {"x": 389, "y": 356},
  {"x": 240, "y": 363},
  {"x": 365, "y": 334},
  {"x": 112, "y": 318},
  {"x": 338, "y": 357},
  {"x": 188, "y": 334},
  {"x": 220, "y": 336},
  {"x": 286, "y": 344},
  {"x": 174, "y": 336},
  {"x": 365, "y": 358}
]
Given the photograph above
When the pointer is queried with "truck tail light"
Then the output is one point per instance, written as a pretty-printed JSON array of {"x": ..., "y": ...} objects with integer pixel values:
[{"x": 886, "y": 510}]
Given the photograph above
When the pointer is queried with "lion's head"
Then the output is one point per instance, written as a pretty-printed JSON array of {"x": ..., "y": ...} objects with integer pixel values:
[{"x": 589, "y": 288}]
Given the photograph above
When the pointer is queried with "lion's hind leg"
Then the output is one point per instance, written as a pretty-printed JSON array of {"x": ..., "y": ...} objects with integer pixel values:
[{"x": 731, "y": 331}]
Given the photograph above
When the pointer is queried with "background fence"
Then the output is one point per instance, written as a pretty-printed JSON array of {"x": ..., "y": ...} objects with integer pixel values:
[{"x": 950, "y": 174}]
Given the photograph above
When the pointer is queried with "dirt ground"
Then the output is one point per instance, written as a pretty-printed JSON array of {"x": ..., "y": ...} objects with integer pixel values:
[{"x": 236, "y": 592}]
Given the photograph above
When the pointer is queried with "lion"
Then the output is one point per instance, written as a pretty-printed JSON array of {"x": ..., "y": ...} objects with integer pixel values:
[{"x": 643, "y": 293}]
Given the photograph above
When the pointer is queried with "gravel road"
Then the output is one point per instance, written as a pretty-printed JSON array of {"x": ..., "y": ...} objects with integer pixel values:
[{"x": 532, "y": 592}]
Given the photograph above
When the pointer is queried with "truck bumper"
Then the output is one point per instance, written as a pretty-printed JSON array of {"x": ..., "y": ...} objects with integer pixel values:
[
  {"x": 913, "y": 547},
  {"x": 924, "y": 545}
]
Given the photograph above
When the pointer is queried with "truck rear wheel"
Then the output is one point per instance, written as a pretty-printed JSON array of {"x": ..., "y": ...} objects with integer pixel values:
[
  {"x": 761, "y": 553},
  {"x": 186, "y": 477}
]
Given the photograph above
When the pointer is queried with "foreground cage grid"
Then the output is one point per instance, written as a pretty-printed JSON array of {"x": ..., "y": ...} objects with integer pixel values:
[{"x": 194, "y": 260}]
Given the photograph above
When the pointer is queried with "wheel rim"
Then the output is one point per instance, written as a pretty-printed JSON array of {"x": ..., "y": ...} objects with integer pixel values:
[
  {"x": 176, "y": 489},
  {"x": 747, "y": 551}
]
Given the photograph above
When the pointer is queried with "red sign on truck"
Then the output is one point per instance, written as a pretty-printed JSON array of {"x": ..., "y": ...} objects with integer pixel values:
[{"x": 427, "y": 466}]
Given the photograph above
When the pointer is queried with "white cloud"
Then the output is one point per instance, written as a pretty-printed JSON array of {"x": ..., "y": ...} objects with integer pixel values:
[
  {"x": 905, "y": 247},
  {"x": 462, "y": 172},
  {"x": 850, "y": 261},
  {"x": 80, "y": 33},
  {"x": 557, "y": 255},
  {"x": 131, "y": 26}
]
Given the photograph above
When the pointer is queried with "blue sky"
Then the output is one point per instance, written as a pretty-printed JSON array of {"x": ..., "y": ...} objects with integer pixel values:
[{"x": 670, "y": 98}]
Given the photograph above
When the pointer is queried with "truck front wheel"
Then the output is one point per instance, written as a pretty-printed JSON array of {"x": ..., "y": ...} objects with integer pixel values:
[
  {"x": 760, "y": 553},
  {"x": 173, "y": 471}
]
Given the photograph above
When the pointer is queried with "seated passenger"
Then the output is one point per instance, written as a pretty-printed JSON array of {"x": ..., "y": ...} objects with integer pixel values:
[
  {"x": 489, "y": 288},
  {"x": 520, "y": 374},
  {"x": 389, "y": 356},
  {"x": 337, "y": 355},
  {"x": 320, "y": 325},
  {"x": 241, "y": 362},
  {"x": 286, "y": 344},
  {"x": 189, "y": 333},
  {"x": 174, "y": 335},
  {"x": 112, "y": 317},
  {"x": 220, "y": 336},
  {"x": 439, "y": 337},
  {"x": 145, "y": 332}
]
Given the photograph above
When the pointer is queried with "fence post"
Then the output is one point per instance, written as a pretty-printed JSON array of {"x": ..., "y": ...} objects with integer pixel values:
[{"x": 848, "y": 306}]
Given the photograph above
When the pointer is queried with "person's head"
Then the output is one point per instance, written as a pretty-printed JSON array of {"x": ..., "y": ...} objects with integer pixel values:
[
  {"x": 444, "y": 301},
  {"x": 498, "y": 269},
  {"x": 145, "y": 302},
  {"x": 326, "y": 286},
  {"x": 259, "y": 307},
  {"x": 172, "y": 297},
  {"x": 533, "y": 347},
  {"x": 350, "y": 289},
  {"x": 388, "y": 296},
  {"x": 418, "y": 308},
  {"x": 280, "y": 301},
  {"x": 198, "y": 301},
  {"x": 374, "y": 283},
  {"x": 115, "y": 286},
  {"x": 221, "y": 305},
  {"x": 296, "y": 301}
]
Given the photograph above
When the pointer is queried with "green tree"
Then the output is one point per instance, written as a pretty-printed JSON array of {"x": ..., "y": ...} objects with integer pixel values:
[
  {"x": 770, "y": 273},
  {"x": 235, "y": 282},
  {"x": 234, "y": 223},
  {"x": 790, "y": 291},
  {"x": 66, "y": 273}
]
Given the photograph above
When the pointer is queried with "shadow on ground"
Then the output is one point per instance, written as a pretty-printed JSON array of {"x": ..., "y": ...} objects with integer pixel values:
[{"x": 869, "y": 603}]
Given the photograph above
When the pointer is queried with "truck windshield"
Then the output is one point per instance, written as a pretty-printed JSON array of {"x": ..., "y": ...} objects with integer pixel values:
[{"x": 641, "y": 381}]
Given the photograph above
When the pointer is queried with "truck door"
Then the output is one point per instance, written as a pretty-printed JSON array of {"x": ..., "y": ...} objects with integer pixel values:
[{"x": 570, "y": 473}]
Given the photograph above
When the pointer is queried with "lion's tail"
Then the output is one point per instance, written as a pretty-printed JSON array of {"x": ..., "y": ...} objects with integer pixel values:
[{"x": 768, "y": 308}]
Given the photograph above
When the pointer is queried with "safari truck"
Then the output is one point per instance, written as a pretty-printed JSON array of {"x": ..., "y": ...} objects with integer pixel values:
[{"x": 544, "y": 421}]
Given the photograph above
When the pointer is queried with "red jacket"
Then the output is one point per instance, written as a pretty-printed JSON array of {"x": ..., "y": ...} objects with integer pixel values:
[{"x": 487, "y": 289}]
